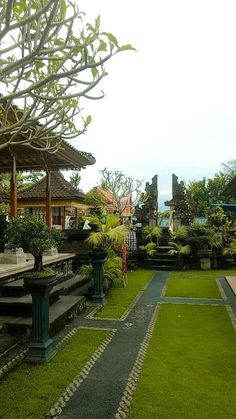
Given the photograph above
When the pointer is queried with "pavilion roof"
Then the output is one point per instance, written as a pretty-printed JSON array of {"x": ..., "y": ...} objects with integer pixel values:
[
  {"x": 230, "y": 188},
  {"x": 60, "y": 189},
  {"x": 28, "y": 158},
  {"x": 35, "y": 156}
]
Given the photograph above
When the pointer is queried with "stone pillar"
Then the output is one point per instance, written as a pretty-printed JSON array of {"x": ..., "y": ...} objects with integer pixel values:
[
  {"x": 41, "y": 345},
  {"x": 98, "y": 260},
  {"x": 48, "y": 200},
  {"x": 13, "y": 200}
]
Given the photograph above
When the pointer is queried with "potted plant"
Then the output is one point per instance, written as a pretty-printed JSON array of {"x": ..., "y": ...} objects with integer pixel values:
[
  {"x": 109, "y": 233},
  {"x": 179, "y": 250},
  {"x": 112, "y": 270},
  {"x": 35, "y": 237},
  {"x": 230, "y": 253},
  {"x": 200, "y": 238}
]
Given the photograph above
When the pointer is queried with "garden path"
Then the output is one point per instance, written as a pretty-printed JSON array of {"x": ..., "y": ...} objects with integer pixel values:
[{"x": 104, "y": 394}]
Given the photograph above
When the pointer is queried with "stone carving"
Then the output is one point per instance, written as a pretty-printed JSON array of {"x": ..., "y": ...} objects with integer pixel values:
[{"x": 147, "y": 214}]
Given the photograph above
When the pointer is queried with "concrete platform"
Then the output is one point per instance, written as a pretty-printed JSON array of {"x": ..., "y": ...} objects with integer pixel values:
[
  {"x": 7, "y": 271},
  {"x": 232, "y": 282}
]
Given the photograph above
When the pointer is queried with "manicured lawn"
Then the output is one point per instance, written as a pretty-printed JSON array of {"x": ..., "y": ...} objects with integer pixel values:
[
  {"x": 120, "y": 298},
  {"x": 195, "y": 284},
  {"x": 189, "y": 370},
  {"x": 30, "y": 391}
]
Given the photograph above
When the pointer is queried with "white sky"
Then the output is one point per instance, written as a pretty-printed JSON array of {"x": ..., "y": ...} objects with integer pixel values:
[{"x": 170, "y": 107}]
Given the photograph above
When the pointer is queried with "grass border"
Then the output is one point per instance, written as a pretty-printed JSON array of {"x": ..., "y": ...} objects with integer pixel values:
[
  {"x": 66, "y": 395},
  {"x": 133, "y": 378},
  {"x": 91, "y": 315},
  {"x": 128, "y": 395}
]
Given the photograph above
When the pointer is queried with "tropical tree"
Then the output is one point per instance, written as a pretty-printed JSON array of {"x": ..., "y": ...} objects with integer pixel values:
[
  {"x": 121, "y": 186},
  {"x": 50, "y": 59},
  {"x": 200, "y": 194},
  {"x": 23, "y": 180},
  {"x": 112, "y": 270},
  {"x": 96, "y": 200},
  {"x": 179, "y": 234},
  {"x": 230, "y": 167},
  {"x": 151, "y": 233},
  {"x": 75, "y": 179},
  {"x": 110, "y": 232},
  {"x": 179, "y": 250}
]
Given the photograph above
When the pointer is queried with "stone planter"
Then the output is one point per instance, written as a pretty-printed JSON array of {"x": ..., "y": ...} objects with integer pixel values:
[
  {"x": 205, "y": 258},
  {"x": 41, "y": 345},
  {"x": 12, "y": 258},
  {"x": 230, "y": 262},
  {"x": 97, "y": 260}
]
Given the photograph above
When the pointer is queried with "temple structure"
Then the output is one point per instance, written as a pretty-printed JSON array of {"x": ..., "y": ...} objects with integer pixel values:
[
  {"x": 66, "y": 202},
  {"x": 179, "y": 212},
  {"x": 19, "y": 158},
  {"x": 149, "y": 211}
]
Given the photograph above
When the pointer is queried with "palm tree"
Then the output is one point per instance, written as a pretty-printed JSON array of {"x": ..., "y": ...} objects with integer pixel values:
[
  {"x": 152, "y": 232},
  {"x": 230, "y": 167},
  {"x": 179, "y": 234},
  {"x": 179, "y": 250},
  {"x": 110, "y": 232}
]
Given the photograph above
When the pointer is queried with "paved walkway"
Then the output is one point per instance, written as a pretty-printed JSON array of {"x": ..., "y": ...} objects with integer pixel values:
[{"x": 99, "y": 395}]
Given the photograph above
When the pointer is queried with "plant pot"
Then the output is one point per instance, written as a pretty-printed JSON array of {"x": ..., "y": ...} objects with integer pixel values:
[
  {"x": 41, "y": 345},
  {"x": 204, "y": 253},
  {"x": 230, "y": 262},
  {"x": 205, "y": 258},
  {"x": 98, "y": 255},
  {"x": 180, "y": 264}
]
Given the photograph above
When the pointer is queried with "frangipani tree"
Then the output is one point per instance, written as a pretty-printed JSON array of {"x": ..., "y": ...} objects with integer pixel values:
[
  {"x": 49, "y": 59},
  {"x": 121, "y": 186}
]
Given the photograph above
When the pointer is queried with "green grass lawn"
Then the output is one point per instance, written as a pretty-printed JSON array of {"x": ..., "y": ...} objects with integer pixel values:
[
  {"x": 30, "y": 391},
  {"x": 119, "y": 299},
  {"x": 195, "y": 284},
  {"x": 189, "y": 369}
]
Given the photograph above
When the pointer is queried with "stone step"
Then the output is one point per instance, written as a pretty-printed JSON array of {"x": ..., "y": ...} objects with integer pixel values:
[
  {"x": 16, "y": 288},
  {"x": 60, "y": 313},
  {"x": 164, "y": 248},
  {"x": 22, "y": 306}
]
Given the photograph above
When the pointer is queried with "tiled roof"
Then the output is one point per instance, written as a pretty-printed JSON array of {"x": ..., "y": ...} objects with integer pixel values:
[
  {"x": 60, "y": 189},
  {"x": 108, "y": 196}
]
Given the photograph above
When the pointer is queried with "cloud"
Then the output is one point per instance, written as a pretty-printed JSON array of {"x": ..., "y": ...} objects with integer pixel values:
[{"x": 166, "y": 192}]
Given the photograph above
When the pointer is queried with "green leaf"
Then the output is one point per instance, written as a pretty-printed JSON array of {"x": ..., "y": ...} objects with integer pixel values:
[
  {"x": 102, "y": 46},
  {"x": 39, "y": 64},
  {"x": 27, "y": 75},
  {"x": 63, "y": 8},
  {"x": 88, "y": 120},
  {"x": 111, "y": 38},
  {"x": 94, "y": 71},
  {"x": 59, "y": 42},
  {"x": 126, "y": 47},
  {"x": 97, "y": 23}
]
